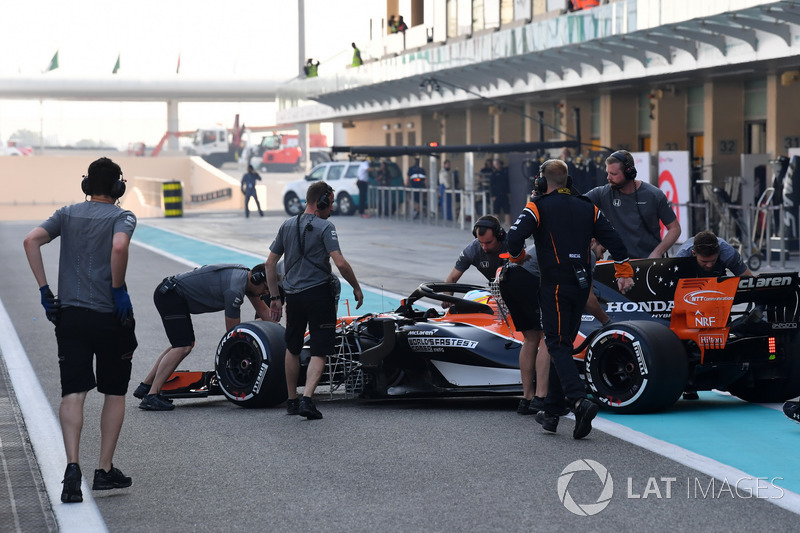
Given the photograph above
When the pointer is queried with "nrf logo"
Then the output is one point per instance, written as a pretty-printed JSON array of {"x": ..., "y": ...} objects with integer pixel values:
[{"x": 697, "y": 297}]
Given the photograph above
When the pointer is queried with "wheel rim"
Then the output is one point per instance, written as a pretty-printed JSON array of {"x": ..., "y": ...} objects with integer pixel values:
[
  {"x": 345, "y": 204},
  {"x": 241, "y": 368},
  {"x": 617, "y": 373},
  {"x": 292, "y": 204}
]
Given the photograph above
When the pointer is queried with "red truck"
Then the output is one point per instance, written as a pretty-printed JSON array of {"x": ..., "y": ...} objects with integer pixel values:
[{"x": 281, "y": 152}]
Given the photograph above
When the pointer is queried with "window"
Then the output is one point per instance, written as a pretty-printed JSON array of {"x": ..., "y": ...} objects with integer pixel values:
[
  {"x": 755, "y": 100},
  {"x": 335, "y": 172},
  {"x": 694, "y": 109},
  {"x": 352, "y": 171},
  {"x": 317, "y": 173}
]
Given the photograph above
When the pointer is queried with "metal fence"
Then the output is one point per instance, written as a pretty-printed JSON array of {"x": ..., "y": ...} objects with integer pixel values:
[{"x": 755, "y": 231}]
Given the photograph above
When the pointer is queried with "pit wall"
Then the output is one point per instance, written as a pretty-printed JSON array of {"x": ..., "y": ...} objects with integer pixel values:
[{"x": 33, "y": 187}]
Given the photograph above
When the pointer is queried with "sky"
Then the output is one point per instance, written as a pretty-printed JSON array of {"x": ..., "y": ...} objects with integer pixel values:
[{"x": 230, "y": 39}]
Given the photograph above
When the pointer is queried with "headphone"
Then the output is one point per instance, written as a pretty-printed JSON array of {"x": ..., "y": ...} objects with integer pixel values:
[
  {"x": 540, "y": 183},
  {"x": 259, "y": 276},
  {"x": 117, "y": 188},
  {"x": 628, "y": 170},
  {"x": 492, "y": 224},
  {"x": 325, "y": 201}
]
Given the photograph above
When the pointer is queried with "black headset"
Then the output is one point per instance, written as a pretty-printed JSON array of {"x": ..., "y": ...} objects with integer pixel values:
[
  {"x": 324, "y": 201},
  {"x": 258, "y": 274},
  {"x": 628, "y": 170},
  {"x": 117, "y": 188},
  {"x": 490, "y": 223},
  {"x": 540, "y": 183}
]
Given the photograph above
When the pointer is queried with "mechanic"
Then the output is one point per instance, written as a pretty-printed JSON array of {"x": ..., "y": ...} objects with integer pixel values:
[
  {"x": 206, "y": 289},
  {"x": 309, "y": 242},
  {"x": 486, "y": 253},
  {"x": 635, "y": 208},
  {"x": 562, "y": 226},
  {"x": 714, "y": 256},
  {"x": 92, "y": 317},
  {"x": 792, "y": 410}
]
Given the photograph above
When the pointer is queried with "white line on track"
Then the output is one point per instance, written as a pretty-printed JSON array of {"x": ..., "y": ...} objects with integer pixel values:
[
  {"x": 777, "y": 495},
  {"x": 45, "y": 434}
]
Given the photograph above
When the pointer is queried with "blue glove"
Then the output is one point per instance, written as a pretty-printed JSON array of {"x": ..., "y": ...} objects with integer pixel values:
[
  {"x": 123, "y": 309},
  {"x": 51, "y": 304}
]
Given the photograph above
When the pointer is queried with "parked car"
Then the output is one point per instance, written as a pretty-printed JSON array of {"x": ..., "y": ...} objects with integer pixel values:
[{"x": 342, "y": 176}]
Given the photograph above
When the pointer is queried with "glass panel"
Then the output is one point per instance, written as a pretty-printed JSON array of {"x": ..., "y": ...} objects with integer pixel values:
[
  {"x": 335, "y": 172},
  {"x": 694, "y": 109},
  {"x": 755, "y": 99}
]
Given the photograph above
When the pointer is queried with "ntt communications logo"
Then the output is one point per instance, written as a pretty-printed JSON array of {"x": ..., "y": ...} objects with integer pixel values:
[{"x": 585, "y": 509}]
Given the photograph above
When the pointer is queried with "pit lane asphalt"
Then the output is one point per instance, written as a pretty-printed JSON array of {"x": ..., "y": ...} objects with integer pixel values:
[{"x": 440, "y": 465}]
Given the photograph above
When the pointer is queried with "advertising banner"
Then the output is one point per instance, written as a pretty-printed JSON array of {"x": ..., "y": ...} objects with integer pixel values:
[{"x": 674, "y": 177}]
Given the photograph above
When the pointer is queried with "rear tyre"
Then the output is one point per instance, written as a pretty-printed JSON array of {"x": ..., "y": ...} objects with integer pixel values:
[
  {"x": 780, "y": 389},
  {"x": 636, "y": 367},
  {"x": 249, "y": 364},
  {"x": 345, "y": 205}
]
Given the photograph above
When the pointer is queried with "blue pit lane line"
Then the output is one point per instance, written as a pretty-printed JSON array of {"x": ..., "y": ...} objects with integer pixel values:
[
  {"x": 751, "y": 438},
  {"x": 196, "y": 252}
]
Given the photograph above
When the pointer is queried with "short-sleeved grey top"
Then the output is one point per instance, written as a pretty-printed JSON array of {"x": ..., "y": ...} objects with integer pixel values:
[{"x": 84, "y": 269}]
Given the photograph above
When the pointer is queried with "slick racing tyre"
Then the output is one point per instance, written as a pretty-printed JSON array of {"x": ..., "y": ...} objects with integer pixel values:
[
  {"x": 249, "y": 364},
  {"x": 636, "y": 367}
]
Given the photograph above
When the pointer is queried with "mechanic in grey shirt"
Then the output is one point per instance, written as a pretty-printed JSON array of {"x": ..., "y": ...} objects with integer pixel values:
[
  {"x": 714, "y": 256},
  {"x": 307, "y": 243},
  {"x": 205, "y": 289},
  {"x": 94, "y": 319},
  {"x": 635, "y": 208}
]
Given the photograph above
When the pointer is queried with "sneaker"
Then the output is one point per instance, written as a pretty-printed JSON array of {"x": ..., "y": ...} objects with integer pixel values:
[
  {"x": 690, "y": 395},
  {"x": 537, "y": 404},
  {"x": 113, "y": 479},
  {"x": 293, "y": 407},
  {"x": 792, "y": 410},
  {"x": 584, "y": 414},
  {"x": 155, "y": 402},
  {"x": 71, "y": 492},
  {"x": 524, "y": 407},
  {"x": 547, "y": 421},
  {"x": 141, "y": 391},
  {"x": 308, "y": 410}
]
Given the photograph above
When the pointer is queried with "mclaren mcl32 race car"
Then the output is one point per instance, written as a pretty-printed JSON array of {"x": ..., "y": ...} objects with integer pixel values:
[{"x": 671, "y": 333}]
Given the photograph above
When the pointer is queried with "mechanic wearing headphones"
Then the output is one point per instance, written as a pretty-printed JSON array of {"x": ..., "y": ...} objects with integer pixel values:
[
  {"x": 635, "y": 208},
  {"x": 484, "y": 253},
  {"x": 205, "y": 289},
  {"x": 93, "y": 316},
  {"x": 308, "y": 242},
  {"x": 562, "y": 226}
]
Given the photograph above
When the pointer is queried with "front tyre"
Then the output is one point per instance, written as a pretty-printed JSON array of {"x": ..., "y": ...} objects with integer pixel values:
[
  {"x": 636, "y": 367},
  {"x": 250, "y": 364}
]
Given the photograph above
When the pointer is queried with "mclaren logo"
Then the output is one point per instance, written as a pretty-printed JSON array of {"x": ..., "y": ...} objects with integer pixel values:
[{"x": 698, "y": 297}]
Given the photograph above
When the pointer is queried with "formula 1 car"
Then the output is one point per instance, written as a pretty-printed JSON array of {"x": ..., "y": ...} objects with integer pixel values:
[{"x": 670, "y": 334}]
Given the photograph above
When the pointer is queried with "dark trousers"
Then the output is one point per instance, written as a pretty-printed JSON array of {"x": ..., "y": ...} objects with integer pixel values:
[
  {"x": 562, "y": 306},
  {"x": 363, "y": 186},
  {"x": 247, "y": 197}
]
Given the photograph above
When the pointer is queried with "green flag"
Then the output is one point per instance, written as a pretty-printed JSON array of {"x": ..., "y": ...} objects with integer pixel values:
[
  {"x": 116, "y": 66},
  {"x": 53, "y": 62}
]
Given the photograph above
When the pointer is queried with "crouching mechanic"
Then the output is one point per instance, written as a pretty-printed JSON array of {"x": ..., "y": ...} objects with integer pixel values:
[
  {"x": 714, "y": 256},
  {"x": 205, "y": 289},
  {"x": 308, "y": 242},
  {"x": 562, "y": 226}
]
